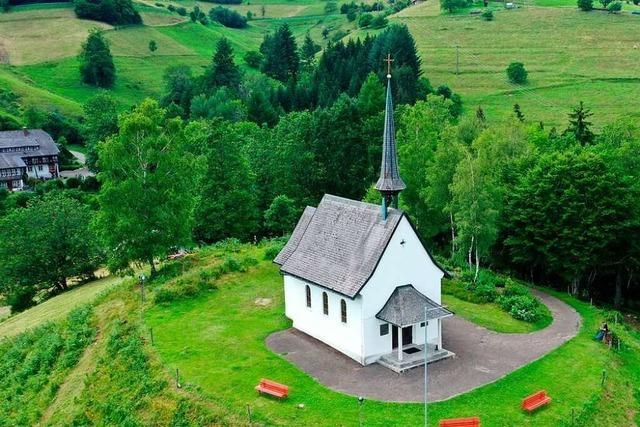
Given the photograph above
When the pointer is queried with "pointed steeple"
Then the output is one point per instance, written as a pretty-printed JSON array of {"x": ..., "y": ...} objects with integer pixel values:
[{"x": 389, "y": 184}]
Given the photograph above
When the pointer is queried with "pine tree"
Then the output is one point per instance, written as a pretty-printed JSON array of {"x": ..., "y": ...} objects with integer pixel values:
[
  {"x": 308, "y": 51},
  {"x": 579, "y": 126},
  {"x": 96, "y": 62},
  {"x": 280, "y": 52},
  {"x": 223, "y": 70}
]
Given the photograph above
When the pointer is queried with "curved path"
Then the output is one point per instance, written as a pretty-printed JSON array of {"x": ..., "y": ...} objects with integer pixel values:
[{"x": 482, "y": 356}]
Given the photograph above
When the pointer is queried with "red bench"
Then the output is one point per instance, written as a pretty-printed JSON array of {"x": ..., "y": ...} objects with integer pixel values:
[
  {"x": 461, "y": 422},
  {"x": 535, "y": 401},
  {"x": 273, "y": 388}
]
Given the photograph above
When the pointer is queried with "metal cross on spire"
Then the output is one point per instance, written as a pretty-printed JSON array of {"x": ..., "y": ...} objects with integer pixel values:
[{"x": 388, "y": 60}]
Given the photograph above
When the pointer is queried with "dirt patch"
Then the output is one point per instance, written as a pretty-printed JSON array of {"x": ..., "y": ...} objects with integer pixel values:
[{"x": 263, "y": 302}]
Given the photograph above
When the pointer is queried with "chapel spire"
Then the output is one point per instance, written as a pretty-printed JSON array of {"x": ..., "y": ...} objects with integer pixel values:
[{"x": 389, "y": 184}]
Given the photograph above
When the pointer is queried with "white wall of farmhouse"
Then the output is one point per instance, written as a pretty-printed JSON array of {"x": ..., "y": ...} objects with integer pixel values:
[
  {"x": 401, "y": 264},
  {"x": 345, "y": 337}
]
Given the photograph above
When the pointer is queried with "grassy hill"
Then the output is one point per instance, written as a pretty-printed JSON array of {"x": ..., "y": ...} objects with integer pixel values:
[
  {"x": 209, "y": 315},
  {"x": 570, "y": 55}
]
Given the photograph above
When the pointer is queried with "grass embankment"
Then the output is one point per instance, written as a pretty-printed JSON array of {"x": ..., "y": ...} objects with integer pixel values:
[
  {"x": 217, "y": 340},
  {"x": 57, "y": 307}
]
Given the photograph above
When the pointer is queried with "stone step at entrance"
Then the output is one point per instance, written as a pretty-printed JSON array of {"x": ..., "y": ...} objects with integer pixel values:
[{"x": 413, "y": 359}]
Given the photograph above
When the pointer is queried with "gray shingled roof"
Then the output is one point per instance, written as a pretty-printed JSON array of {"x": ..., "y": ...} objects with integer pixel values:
[
  {"x": 389, "y": 180},
  {"x": 11, "y": 160},
  {"x": 31, "y": 138},
  {"x": 406, "y": 306},
  {"x": 340, "y": 245},
  {"x": 301, "y": 227}
]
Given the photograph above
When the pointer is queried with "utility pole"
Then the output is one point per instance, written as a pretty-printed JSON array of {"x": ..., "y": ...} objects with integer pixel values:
[
  {"x": 426, "y": 327},
  {"x": 457, "y": 59}
]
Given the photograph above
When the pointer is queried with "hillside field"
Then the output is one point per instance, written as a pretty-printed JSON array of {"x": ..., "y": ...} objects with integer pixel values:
[{"x": 570, "y": 55}]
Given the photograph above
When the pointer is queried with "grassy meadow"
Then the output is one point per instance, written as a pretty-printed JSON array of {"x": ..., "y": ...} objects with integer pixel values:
[{"x": 570, "y": 55}]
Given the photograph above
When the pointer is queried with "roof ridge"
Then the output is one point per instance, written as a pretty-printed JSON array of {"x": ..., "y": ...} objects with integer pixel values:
[{"x": 359, "y": 203}]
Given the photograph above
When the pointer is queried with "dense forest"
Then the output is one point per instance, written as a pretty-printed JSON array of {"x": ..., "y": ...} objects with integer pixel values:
[{"x": 238, "y": 153}]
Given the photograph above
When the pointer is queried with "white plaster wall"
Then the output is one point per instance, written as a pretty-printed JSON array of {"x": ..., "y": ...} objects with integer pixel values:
[
  {"x": 401, "y": 264},
  {"x": 344, "y": 337}
]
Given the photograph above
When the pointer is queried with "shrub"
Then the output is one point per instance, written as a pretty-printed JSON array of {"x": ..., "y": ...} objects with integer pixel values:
[
  {"x": 21, "y": 298},
  {"x": 73, "y": 182},
  {"x": 521, "y": 307},
  {"x": 365, "y": 20},
  {"x": 487, "y": 15},
  {"x": 614, "y": 7},
  {"x": 228, "y": 245},
  {"x": 512, "y": 289},
  {"x": 253, "y": 59},
  {"x": 90, "y": 183},
  {"x": 516, "y": 73},
  {"x": 171, "y": 8},
  {"x": 585, "y": 5},
  {"x": 114, "y": 12},
  {"x": 485, "y": 292},
  {"x": 271, "y": 252},
  {"x": 181, "y": 11},
  {"x": 227, "y": 17},
  {"x": 179, "y": 290},
  {"x": 380, "y": 21}
]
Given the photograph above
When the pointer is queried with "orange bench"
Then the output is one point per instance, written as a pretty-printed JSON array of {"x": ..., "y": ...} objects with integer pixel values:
[
  {"x": 273, "y": 388},
  {"x": 535, "y": 401},
  {"x": 461, "y": 422}
]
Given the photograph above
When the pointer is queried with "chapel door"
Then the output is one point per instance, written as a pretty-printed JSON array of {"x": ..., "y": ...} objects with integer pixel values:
[
  {"x": 407, "y": 335},
  {"x": 394, "y": 337}
]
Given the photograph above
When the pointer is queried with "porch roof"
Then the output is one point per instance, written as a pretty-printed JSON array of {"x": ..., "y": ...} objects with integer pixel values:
[{"x": 406, "y": 306}]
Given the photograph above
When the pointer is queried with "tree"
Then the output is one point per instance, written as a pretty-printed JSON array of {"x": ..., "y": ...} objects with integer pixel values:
[
  {"x": 330, "y": 7},
  {"x": 594, "y": 211},
  {"x": 518, "y": 112},
  {"x": 371, "y": 97},
  {"x": 45, "y": 244},
  {"x": 100, "y": 122},
  {"x": 281, "y": 216},
  {"x": 379, "y": 21},
  {"x": 253, "y": 59},
  {"x": 280, "y": 52},
  {"x": 148, "y": 188},
  {"x": 227, "y": 17},
  {"x": 585, "y": 5},
  {"x": 222, "y": 103},
  {"x": 579, "y": 126},
  {"x": 179, "y": 88},
  {"x": 227, "y": 203},
  {"x": 223, "y": 70},
  {"x": 96, "y": 62},
  {"x": 365, "y": 20},
  {"x": 260, "y": 110},
  {"x": 516, "y": 73},
  {"x": 263, "y": 11},
  {"x": 153, "y": 46},
  {"x": 308, "y": 51},
  {"x": 114, "y": 12}
]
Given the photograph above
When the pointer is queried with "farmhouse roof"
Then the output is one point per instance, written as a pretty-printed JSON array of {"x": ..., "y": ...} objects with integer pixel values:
[
  {"x": 29, "y": 142},
  {"x": 11, "y": 162},
  {"x": 407, "y": 306}
]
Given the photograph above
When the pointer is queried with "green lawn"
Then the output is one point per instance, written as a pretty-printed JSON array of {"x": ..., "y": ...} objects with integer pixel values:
[
  {"x": 57, "y": 307},
  {"x": 492, "y": 317},
  {"x": 218, "y": 342}
]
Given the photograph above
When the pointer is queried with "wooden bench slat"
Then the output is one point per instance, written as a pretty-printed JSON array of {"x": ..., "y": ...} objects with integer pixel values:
[
  {"x": 461, "y": 422},
  {"x": 272, "y": 388}
]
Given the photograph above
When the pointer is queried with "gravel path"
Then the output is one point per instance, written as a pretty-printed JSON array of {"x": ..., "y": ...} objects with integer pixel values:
[{"x": 482, "y": 356}]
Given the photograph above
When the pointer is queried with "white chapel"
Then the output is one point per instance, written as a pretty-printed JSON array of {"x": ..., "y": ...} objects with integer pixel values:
[{"x": 358, "y": 278}]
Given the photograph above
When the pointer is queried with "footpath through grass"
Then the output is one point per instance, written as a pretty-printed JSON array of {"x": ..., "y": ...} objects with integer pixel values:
[{"x": 217, "y": 341}]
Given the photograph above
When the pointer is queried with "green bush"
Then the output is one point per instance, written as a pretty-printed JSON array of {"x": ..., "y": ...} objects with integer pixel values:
[
  {"x": 253, "y": 59},
  {"x": 512, "y": 289},
  {"x": 487, "y": 15},
  {"x": 516, "y": 73},
  {"x": 585, "y": 5},
  {"x": 21, "y": 298},
  {"x": 614, "y": 7},
  {"x": 365, "y": 20},
  {"x": 179, "y": 290},
  {"x": 485, "y": 292},
  {"x": 271, "y": 252},
  {"x": 521, "y": 307}
]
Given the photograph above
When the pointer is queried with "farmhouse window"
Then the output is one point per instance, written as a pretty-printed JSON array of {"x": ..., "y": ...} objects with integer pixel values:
[
  {"x": 343, "y": 311},
  {"x": 308, "y": 291},
  {"x": 384, "y": 329},
  {"x": 325, "y": 303}
]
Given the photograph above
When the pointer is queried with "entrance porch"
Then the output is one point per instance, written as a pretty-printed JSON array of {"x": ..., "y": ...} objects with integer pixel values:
[{"x": 413, "y": 358}]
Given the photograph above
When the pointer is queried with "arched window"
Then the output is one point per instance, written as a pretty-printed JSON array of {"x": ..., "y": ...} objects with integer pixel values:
[
  {"x": 308, "y": 290},
  {"x": 325, "y": 303},
  {"x": 343, "y": 311}
]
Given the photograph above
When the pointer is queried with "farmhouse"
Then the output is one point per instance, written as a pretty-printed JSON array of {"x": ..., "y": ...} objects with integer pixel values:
[
  {"x": 358, "y": 278},
  {"x": 26, "y": 153}
]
